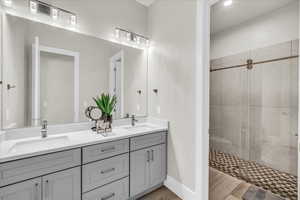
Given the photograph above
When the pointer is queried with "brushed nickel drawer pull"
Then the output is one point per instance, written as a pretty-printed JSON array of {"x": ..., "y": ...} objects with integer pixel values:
[
  {"x": 108, "y": 197},
  {"x": 108, "y": 170},
  {"x": 108, "y": 149}
]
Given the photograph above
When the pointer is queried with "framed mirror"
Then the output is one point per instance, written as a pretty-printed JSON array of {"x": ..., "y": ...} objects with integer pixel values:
[{"x": 53, "y": 74}]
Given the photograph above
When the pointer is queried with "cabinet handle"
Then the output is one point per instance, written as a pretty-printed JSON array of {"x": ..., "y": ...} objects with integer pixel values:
[
  {"x": 148, "y": 156},
  {"x": 152, "y": 155},
  {"x": 108, "y": 149},
  {"x": 36, "y": 191},
  {"x": 47, "y": 190},
  {"x": 108, "y": 170},
  {"x": 108, "y": 196}
]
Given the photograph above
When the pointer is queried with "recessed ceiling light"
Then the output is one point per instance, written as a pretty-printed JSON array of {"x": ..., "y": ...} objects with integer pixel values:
[{"x": 227, "y": 3}]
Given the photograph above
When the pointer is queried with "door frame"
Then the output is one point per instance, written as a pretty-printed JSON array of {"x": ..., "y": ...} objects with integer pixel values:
[
  {"x": 113, "y": 59},
  {"x": 36, "y": 52},
  {"x": 202, "y": 99}
]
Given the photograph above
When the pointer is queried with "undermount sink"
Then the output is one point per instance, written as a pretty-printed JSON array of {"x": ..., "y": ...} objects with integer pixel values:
[
  {"x": 139, "y": 127},
  {"x": 39, "y": 143}
]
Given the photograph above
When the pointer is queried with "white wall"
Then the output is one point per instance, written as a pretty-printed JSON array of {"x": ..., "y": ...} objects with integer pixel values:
[
  {"x": 278, "y": 26},
  {"x": 171, "y": 70}
]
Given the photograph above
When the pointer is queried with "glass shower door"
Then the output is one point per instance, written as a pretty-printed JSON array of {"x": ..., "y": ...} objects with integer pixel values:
[
  {"x": 273, "y": 109},
  {"x": 228, "y": 118}
]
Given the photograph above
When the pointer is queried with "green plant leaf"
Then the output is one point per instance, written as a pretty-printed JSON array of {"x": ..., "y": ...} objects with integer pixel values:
[{"x": 106, "y": 103}]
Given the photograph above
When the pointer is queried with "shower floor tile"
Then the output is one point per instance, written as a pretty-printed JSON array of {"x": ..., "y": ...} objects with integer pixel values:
[{"x": 277, "y": 182}]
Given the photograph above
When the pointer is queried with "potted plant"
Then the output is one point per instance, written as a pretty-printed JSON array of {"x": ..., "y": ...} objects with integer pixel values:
[{"x": 106, "y": 104}]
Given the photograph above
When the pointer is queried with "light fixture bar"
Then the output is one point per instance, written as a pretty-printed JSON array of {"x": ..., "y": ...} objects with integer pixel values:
[
  {"x": 131, "y": 38},
  {"x": 37, "y": 6},
  {"x": 134, "y": 34}
]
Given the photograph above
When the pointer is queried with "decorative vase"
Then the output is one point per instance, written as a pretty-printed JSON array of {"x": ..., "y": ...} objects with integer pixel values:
[{"x": 107, "y": 122}]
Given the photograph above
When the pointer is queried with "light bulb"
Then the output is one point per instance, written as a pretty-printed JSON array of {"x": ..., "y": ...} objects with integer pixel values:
[
  {"x": 138, "y": 40},
  {"x": 128, "y": 36},
  {"x": 227, "y": 3},
  {"x": 8, "y": 3},
  {"x": 55, "y": 13},
  {"x": 73, "y": 20},
  {"x": 33, "y": 7},
  {"x": 117, "y": 33}
]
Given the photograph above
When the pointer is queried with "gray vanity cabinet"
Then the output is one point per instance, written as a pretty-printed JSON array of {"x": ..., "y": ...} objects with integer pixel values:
[
  {"x": 148, "y": 169},
  {"x": 28, "y": 190},
  {"x": 157, "y": 165},
  {"x": 64, "y": 185},
  {"x": 139, "y": 171}
]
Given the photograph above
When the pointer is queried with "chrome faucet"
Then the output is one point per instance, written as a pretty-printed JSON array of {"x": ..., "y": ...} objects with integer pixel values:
[
  {"x": 44, "y": 129},
  {"x": 133, "y": 120}
]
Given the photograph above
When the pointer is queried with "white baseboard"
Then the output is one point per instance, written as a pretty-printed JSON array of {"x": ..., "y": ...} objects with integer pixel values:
[{"x": 179, "y": 189}]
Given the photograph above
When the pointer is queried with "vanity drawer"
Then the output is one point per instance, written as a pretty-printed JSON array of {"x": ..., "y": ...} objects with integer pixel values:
[
  {"x": 145, "y": 141},
  {"x": 118, "y": 190},
  {"x": 102, "y": 172},
  {"x": 105, "y": 150},
  {"x": 15, "y": 171}
]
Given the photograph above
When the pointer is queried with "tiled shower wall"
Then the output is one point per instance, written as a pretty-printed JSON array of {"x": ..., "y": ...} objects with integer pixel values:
[{"x": 254, "y": 113}]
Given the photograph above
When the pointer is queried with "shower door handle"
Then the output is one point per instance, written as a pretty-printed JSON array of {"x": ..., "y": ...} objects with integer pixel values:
[{"x": 296, "y": 134}]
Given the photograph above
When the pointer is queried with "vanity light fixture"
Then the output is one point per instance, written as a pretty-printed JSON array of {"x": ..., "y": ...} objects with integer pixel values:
[
  {"x": 39, "y": 7},
  {"x": 33, "y": 6},
  {"x": 228, "y": 3},
  {"x": 8, "y": 3},
  {"x": 130, "y": 38}
]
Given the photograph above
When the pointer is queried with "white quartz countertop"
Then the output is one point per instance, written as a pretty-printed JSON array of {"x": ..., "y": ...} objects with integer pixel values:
[{"x": 34, "y": 146}]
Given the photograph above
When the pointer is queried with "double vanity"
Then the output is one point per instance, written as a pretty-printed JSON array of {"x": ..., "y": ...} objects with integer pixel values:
[{"x": 82, "y": 165}]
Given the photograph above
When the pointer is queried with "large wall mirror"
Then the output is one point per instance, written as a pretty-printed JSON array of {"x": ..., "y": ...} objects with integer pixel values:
[{"x": 52, "y": 74}]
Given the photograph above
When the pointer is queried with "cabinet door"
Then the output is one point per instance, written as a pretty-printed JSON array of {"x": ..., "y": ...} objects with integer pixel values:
[
  {"x": 28, "y": 190},
  {"x": 64, "y": 185},
  {"x": 157, "y": 165},
  {"x": 139, "y": 171}
]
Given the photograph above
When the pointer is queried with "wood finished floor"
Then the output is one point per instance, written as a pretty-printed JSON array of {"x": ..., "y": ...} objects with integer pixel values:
[
  {"x": 161, "y": 194},
  {"x": 221, "y": 187}
]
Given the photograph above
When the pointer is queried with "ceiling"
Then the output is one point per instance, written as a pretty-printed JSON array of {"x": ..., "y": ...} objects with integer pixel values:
[
  {"x": 240, "y": 11},
  {"x": 146, "y": 2}
]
